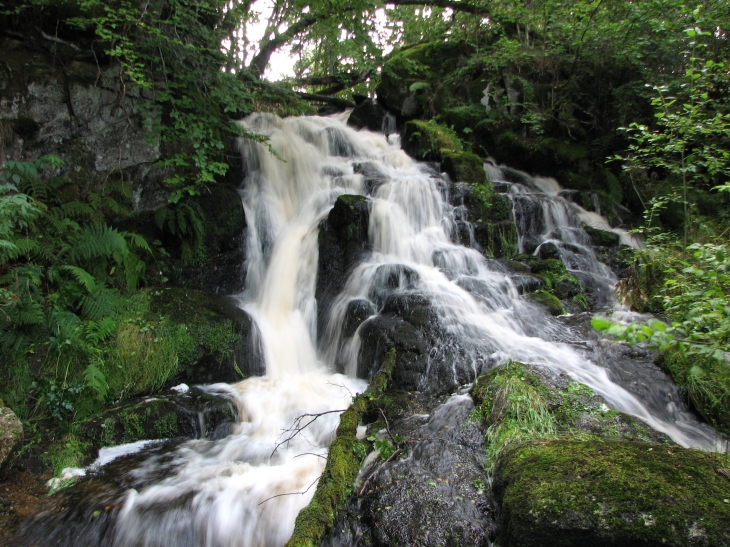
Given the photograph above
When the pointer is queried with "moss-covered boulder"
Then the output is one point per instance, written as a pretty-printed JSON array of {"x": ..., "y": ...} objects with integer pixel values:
[
  {"x": 602, "y": 238},
  {"x": 550, "y": 301},
  {"x": 11, "y": 433},
  {"x": 497, "y": 239},
  {"x": 566, "y": 492},
  {"x": 704, "y": 383},
  {"x": 429, "y": 141},
  {"x": 464, "y": 167}
]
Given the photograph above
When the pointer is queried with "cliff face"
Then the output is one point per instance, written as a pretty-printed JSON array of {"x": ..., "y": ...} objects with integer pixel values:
[{"x": 83, "y": 113}]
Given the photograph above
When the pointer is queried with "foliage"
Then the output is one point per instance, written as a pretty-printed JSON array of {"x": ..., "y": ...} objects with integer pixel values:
[
  {"x": 694, "y": 294},
  {"x": 61, "y": 272}
]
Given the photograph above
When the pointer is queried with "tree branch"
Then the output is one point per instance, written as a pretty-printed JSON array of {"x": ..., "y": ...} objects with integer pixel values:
[{"x": 341, "y": 103}]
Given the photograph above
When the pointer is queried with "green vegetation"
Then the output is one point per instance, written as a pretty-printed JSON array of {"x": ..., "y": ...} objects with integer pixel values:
[{"x": 569, "y": 492}]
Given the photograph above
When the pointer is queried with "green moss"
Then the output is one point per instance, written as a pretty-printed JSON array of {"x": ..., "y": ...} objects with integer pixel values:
[
  {"x": 464, "y": 167},
  {"x": 550, "y": 301},
  {"x": 566, "y": 152},
  {"x": 602, "y": 237},
  {"x": 427, "y": 140},
  {"x": 70, "y": 451},
  {"x": 351, "y": 199},
  {"x": 498, "y": 239},
  {"x": 343, "y": 463},
  {"x": 133, "y": 426},
  {"x": 575, "y": 492},
  {"x": 705, "y": 384}
]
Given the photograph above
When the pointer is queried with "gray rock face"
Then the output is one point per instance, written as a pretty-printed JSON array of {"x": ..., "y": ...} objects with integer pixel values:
[
  {"x": 432, "y": 495},
  {"x": 85, "y": 116},
  {"x": 11, "y": 433}
]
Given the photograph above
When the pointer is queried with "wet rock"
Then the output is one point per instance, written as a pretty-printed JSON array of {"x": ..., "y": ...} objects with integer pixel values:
[
  {"x": 193, "y": 414},
  {"x": 434, "y": 493},
  {"x": 373, "y": 177},
  {"x": 526, "y": 284},
  {"x": 602, "y": 238},
  {"x": 428, "y": 357},
  {"x": 343, "y": 243},
  {"x": 575, "y": 493},
  {"x": 549, "y": 301},
  {"x": 390, "y": 278},
  {"x": 497, "y": 239},
  {"x": 339, "y": 143},
  {"x": 357, "y": 312},
  {"x": 368, "y": 114},
  {"x": 11, "y": 433},
  {"x": 548, "y": 250},
  {"x": 464, "y": 167},
  {"x": 428, "y": 141}
]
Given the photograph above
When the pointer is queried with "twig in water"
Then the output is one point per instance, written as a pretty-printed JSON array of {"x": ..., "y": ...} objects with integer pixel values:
[
  {"x": 297, "y": 427},
  {"x": 311, "y": 454},
  {"x": 293, "y": 493},
  {"x": 375, "y": 473}
]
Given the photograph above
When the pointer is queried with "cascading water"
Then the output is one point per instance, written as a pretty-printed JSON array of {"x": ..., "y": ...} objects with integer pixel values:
[{"x": 246, "y": 489}]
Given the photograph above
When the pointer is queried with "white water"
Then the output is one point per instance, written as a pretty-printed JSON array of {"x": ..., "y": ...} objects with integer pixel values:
[{"x": 221, "y": 493}]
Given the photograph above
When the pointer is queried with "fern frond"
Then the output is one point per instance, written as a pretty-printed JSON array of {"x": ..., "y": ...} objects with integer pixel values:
[
  {"x": 82, "y": 276},
  {"x": 95, "y": 241},
  {"x": 74, "y": 209},
  {"x": 95, "y": 379},
  {"x": 137, "y": 241},
  {"x": 98, "y": 331},
  {"x": 100, "y": 303}
]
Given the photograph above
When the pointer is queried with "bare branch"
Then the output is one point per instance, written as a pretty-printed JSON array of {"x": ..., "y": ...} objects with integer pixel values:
[
  {"x": 297, "y": 427},
  {"x": 293, "y": 493},
  {"x": 342, "y": 103}
]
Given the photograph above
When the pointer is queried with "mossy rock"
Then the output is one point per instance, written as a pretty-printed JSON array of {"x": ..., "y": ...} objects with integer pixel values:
[
  {"x": 497, "y": 239},
  {"x": 427, "y": 140},
  {"x": 343, "y": 463},
  {"x": 551, "y": 302},
  {"x": 565, "y": 492},
  {"x": 464, "y": 167},
  {"x": 602, "y": 238},
  {"x": 166, "y": 417},
  {"x": 11, "y": 433},
  {"x": 704, "y": 382}
]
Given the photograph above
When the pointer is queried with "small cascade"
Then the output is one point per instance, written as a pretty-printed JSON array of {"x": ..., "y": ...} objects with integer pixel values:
[
  {"x": 549, "y": 226},
  {"x": 247, "y": 488}
]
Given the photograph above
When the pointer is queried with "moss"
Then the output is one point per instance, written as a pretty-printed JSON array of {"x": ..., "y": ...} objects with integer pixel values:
[
  {"x": 464, "y": 167},
  {"x": 427, "y": 140},
  {"x": 602, "y": 237},
  {"x": 550, "y": 301},
  {"x": 497, "y": 239},
  {"x": 574, "y": 492},
  {"x": 705, "y": 384},
  {"x": 69, "y": 451},
  {"x": 343, "y": 464},
  {"x": 351, "y": 200}
]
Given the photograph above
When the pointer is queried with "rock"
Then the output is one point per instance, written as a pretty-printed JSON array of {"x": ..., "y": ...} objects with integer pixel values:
[
  {"x": 602, "y": 238},
  {"x": 526, "y": 284},
  {"x": 464, "y": 167},
  {"x": 373, "y": 177},
  {"x": 427, "y": 357},
  {"x": 11, "y": 433},
  {"x": 436, "y": 494},
  {"x": 194, "y": 414},
  {"x": 357, "y": 312},
  {"x": 549, "y": 301},
  {"x": 368, "y": 114},
  {"x": 428, "y": 141},
  {"x": 548, "y": 250},
  {"x": 343, "y": 242},
  {"x": 497, "y": 239},
  {"x": 570, "y": 492}
]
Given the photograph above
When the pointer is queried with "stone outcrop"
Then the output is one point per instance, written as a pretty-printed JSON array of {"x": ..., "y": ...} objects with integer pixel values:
[{"x": 11, "y": 433}]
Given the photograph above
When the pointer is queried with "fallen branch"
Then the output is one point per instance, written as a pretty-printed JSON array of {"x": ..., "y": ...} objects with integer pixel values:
[
  {"x": 293, "y": 493},
  {"x": 59, "y": 40},
  {"x": 297, "y": 427},
  {"x": 342, "y": 103}
]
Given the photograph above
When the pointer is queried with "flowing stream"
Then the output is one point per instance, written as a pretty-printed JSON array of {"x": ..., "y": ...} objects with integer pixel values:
[{"x": 247, "y": 488}]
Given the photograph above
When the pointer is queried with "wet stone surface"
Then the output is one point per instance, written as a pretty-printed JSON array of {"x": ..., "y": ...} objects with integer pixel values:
[{"x": 433, "y": 495}]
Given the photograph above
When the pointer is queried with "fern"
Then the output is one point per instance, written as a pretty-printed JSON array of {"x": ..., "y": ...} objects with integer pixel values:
[
  {"x": 98, "y": 331},
  {"x": 82, "y": 276},
  {"x": 97, "y": 241},
  {"x": 95, "y": 379},
  {"x": 98, "y": 304}
]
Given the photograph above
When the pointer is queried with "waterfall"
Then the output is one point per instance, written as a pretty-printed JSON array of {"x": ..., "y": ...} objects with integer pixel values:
[{"x": 247, "y": 488}]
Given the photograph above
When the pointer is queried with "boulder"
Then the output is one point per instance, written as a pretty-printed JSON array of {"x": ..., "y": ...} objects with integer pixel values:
[
  {"x": 11, "y": 433},
  {"x": 343, "y": 242},
  {"x": 369, "y": 114}
]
